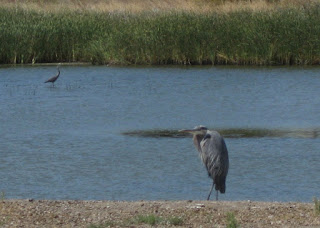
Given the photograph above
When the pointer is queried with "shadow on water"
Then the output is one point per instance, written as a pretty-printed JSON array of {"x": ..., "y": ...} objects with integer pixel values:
[{"x": 232, "y": 133}]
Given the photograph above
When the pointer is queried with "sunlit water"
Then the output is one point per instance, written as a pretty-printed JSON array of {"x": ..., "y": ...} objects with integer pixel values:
[{"x": 66, "y": 142}]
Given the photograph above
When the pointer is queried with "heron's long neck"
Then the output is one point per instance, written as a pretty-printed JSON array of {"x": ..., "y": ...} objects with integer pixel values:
[
  {"x": 196, "y": 141},
  {"x": 58, "y": 72}
]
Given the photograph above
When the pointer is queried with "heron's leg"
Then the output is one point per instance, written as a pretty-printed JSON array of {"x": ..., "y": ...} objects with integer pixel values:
[
  {"x": 217, "y": 195},
  {"x": 210, "y": 190}
]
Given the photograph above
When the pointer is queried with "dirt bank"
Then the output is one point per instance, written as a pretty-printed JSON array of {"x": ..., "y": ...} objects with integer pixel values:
[{"x": 48, "y": 213}]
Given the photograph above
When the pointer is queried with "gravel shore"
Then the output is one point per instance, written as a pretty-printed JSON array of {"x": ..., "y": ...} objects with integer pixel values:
[{"x": 51, "y": 213}]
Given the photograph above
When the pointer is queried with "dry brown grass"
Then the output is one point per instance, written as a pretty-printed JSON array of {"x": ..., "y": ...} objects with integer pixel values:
[
  {"x": 263, "y": 5},
  {"x": 136, "y": 6},
  {"x": 113, "y": 5}
]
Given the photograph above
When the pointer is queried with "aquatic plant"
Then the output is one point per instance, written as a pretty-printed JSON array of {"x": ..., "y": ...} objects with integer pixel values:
[{"x": 280, "y": 36}]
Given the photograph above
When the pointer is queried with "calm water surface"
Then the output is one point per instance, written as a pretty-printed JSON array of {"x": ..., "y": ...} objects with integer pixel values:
[{"x": 65, "y": 142}]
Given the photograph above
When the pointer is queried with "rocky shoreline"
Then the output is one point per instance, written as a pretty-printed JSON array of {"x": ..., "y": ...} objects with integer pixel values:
[{"x": 73, "y": 213}]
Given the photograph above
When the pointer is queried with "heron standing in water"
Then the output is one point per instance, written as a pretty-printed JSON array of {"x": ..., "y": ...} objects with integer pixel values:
[
  {"x": 214, "y": 155},
  {"x": 54, "y": 78}
]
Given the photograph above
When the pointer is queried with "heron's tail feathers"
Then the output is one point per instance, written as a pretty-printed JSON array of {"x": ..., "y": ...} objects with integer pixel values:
[{"x": 220, "y": 186}]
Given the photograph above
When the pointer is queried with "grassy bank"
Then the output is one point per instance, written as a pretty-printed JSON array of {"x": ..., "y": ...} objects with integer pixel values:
[{"x": 284, "y": 35}]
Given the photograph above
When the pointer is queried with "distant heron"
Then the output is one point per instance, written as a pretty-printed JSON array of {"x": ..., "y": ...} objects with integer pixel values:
[
  {"x": 214, "y": 155},
  {"x": 54, "y": 78}
]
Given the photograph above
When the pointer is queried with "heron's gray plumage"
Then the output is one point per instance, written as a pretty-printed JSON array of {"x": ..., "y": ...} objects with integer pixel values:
[
  {"x": 214, "y": 155},
  {"x": 54, "y": 78}
]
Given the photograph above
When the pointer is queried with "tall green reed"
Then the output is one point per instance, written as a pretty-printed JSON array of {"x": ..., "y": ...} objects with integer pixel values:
[{"x": 281, "y": 36}]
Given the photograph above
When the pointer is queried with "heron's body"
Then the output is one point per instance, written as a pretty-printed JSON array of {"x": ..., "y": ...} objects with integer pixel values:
[
  {"x": 214, "y": 155},
  {"x": 54, "y": 78}
]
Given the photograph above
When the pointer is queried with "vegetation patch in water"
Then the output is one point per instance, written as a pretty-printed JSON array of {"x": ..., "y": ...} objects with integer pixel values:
[
  {"x": 156, "y": 133},
  {"x": 231, "y": 133}
]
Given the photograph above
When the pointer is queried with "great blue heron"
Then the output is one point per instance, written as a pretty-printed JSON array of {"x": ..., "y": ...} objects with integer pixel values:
[
  {"x": 54, "y": 78},
  {"x": 214, "y": 155}
]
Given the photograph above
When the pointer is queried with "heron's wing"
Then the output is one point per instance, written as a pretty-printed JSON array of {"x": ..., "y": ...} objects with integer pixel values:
[
  {"x": 52, "y": 79},
  {"x": 214, "y": 154},
  {"x": 49, "y": 80}
]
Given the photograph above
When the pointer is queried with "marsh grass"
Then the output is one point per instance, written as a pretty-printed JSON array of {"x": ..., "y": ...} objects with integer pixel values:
[
  {"x": 156, "y": 220},
  {"x": 316, "y": 206},
  {"x": 104, "y": 225},
  {"x": 283, "y": 36},
  {"x": 151, "y": 219},
  {"x": 231, "y": 221},
  {"x": 175, "y": 221},
  {"x": 2, "y": 195},
  {"x": 148, "y": 219}
]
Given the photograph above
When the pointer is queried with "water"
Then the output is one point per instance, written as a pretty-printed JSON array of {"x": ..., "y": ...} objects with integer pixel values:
[{"x": 66, "y": 142}]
